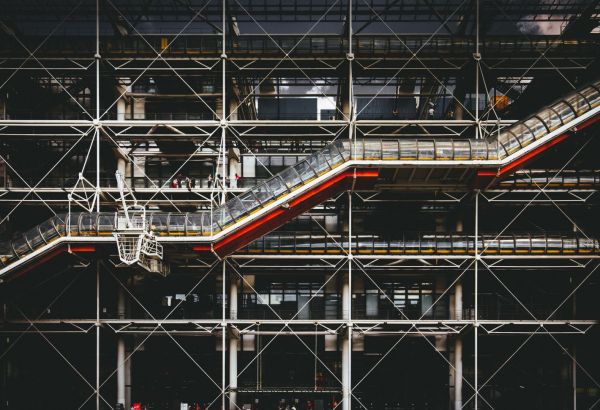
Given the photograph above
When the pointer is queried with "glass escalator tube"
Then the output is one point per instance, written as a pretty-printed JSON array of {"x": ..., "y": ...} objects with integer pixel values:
[
  {"x": 236, "y": 208},
  {"x": 537, "y": 128},
  {"x": 48, "y": 231},
  {"x": 305, "y": 171},
  {"x": 554, "y": 244},
  {"x": 249, "y": 201},
  {"x": 569, "y": 245},
  {"x": 222, "y": 218},
  {"x": 426, "y": 150},
  {"x": 579, "y": 103},
  {"x": 277, "y": 186},
  {"x": 319, "y": 163},
  {"x": 159, "y": 223},
  {"x": 373, "y": 150},
  {"x": 522, "y": 244},
  {"x": 357, "y": 149},
  {"x": 477, "y": 150},
  {"x": 506, "y": 244},
  {"x": 390, "y": 150},
  {"x": 380, "y": 245},
  {"x": 176, "y": 224},
  {"x": 592, "y": 95},
  {"x": 508, "y": 139},
  {"x": 7, "y": 253},
  {"x": 262, "y": 194},
  {"x": 550, "y": 118},
  {"x": 21, "y": 246},
  {"x": 587, "y": 245},
  {"x": 408, "y": 150},
  {"x": 564, "y": 111},
  {"x": 193, "y": 223},
  {"x": 106, "y": 223},
  {"x": 396, "y": 246},
  {"x": 445, "y": 150},
  {"x": 538, "y": 245}
]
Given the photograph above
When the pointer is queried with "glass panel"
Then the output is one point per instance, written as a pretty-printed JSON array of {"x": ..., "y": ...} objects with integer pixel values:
[
  {"x": 87, "y": 224},
  {"x": 569, "y": 245},
  {"x": 358, "y": 150},
  {"x": 305, "y": 171},
  {"x": 193, "y": 223},
  {"x": 522, "y": 245},
  {"x": 318, "y": 162},
  {"x": 372, "y": 150},
  {"x": 276, "y": 186},
  {"x": 177, "y": 224},
  {"x": 106, "y": 223},
  {"x": 579, "y": 103},
  {"x": 249, "y": 201},
  {"x": 331, "y": 155},
  {"x": 290, "y": 177},
  {"x": 48, "y": 231},
  {"x": 554, "y": 245},
  {"x": 222, "y": 217},
  {"x": 390, "y": 150},
  {"x": 236, "y": 208},
  {"x": 508, "y": 141},
  {"x": 345, "y": 148},
  {"x": 426, "y": 150},
  {"x": 479, "y": 150},
  {"x": 592, "y": 96},
  {"x": 550, "y": 118},
  {"x": 490, "y": 245},
  {"x": 443, "y": 150},
  {"x": 262, "y": 193},
  {"x": 34, "y": 238},
  {"x": 20, "y": 246},
  {"x": 565, "y": 113},
  {"x": 7, "y": 254},
  {"x": 537, "y": 128},
  {"x": 408, "y": 149},
  {"x": 507, "y": 245},
  {"x": 158, "y": 223}
]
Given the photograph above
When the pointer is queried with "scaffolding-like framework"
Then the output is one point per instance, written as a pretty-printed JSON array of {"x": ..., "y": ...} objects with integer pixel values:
[{"x": 239, "y": 46}]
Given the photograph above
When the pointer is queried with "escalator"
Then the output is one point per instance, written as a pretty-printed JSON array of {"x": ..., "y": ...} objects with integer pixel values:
[{"x": 342, "y": 165}]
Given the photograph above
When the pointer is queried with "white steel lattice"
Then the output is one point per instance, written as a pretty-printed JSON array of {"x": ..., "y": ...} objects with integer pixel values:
[
  {"x": 133, "y": 246},
  {"x": 129, "y": 246}
]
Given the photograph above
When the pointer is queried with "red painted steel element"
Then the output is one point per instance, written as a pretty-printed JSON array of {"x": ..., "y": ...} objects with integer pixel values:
[{"x": 360, "y": 178}]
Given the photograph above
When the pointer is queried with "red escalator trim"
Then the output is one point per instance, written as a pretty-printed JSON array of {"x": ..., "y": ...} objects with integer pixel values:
[
  {"x": 53, "y": 254},
  {"x": 521, "y": 161},
  {"x": 82, "y": 249},
  {"x": 587, "y": 123},
  {"x": 485, "y": 177},
  {"x": 297, "y": 206}
]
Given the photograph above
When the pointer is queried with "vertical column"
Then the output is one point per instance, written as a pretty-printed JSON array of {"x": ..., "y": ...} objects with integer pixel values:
[
  {"x": 233, "y": 344},
  {"x": 347, "y": 315},
  {"x": 97, "y": 117},
  {"x": 477, "y": 58},
  {"x": 476, "y": 290},
  {"x": 223, "y": 337},
  {"x": 458, "y": 362},
  {"x": 123, "y": 365},
  {"x": 346, "y": 339},
  {"x": 97, "y": 335},
  {"x": 120, "y": 351}
]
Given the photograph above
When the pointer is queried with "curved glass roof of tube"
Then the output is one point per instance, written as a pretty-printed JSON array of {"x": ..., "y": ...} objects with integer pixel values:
[{"x": 497, "y": 147}]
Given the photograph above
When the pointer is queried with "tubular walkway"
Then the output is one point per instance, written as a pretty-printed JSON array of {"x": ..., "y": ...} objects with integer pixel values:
[{"x": 340, "y": 166}]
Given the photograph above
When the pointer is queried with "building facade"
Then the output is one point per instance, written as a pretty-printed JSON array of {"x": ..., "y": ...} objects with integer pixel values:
[{"x": 309, "y": 204}]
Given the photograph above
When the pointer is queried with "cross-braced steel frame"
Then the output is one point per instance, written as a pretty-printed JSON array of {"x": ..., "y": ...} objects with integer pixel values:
[{"x": 228, "y": 124}]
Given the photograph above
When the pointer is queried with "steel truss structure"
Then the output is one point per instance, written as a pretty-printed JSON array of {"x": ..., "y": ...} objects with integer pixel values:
[{"x": 460, "y": 275}]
